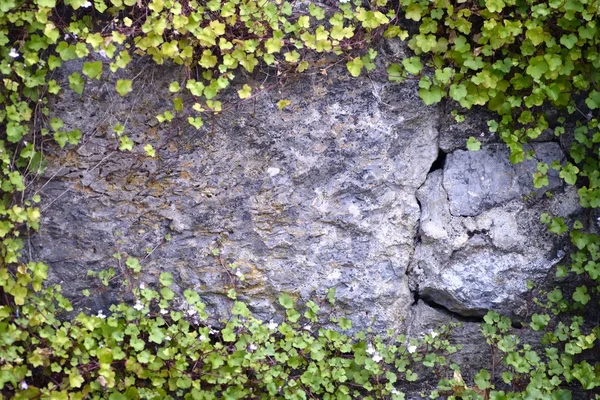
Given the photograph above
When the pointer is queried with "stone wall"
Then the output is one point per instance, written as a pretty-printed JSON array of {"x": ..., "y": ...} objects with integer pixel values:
[{"x": 356, "y": 185}]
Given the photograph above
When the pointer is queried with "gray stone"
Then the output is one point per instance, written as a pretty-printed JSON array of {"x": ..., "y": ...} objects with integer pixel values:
[
  {"x": 470, "y": 265},
  {"x": 476, "y": 181},
  {"x": 319, "y": 195}
]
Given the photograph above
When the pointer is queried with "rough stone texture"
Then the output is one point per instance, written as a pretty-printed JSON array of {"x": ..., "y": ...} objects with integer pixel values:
[
  {"x": 476, "y": 181},
  {"x": 471, "y": 264},
  {"x": 322, "y": 194},
  {"x": 319, "y": 195}
]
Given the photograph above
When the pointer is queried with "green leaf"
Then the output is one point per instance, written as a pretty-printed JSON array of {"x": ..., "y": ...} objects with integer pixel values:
[
  {"x": 150, "y": 150},
  {"x": 133, "y": 264},
  {"x": 355, "y": 66},
  {"x": 395, "y": 73},
  {"x": 196, "y": 122},
  {"x": 123, "y": 86},
  {"x": 47, "y": 3},
  {"x": 166, "y": 279},
  {"x": 413, "y": 65},
  {"x": 245, "y": 92},
  {"x": 174, "y": 87},
  {"x": 432, "y": 95},
  {"x": 286, "y": 300},
  {"x": 569, "y": 173},
  {"x": 76, "y": 82},
  {"x": 581, "y": 295},
  {"x": 281, "y": 104},
  {"x": 593, "y": 100},
  {"x": 414, "y": 12},
  {"x": 473, "y": 144},
  {"x": 93, "y": 69},
  {"x": 125, "y": 144},
  {"x": 482, "y": 379}
]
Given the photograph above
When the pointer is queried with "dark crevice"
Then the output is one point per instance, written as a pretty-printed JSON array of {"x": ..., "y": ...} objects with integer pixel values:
[
  {"x": 439, "y": 162},
  {"x": 444, "y": 310},
  {"x": 477, "y": 232}
]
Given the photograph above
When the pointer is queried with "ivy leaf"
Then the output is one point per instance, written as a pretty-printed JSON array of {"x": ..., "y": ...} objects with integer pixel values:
[
  {"x": 133, "y": 264},
  {"x": 411, "y": 376},
  {"x": 593, "y": 100},
  {"x": 281, "y": 104},
  {"x": 569, "y": 173},
  {"x": 174, "y": 87},
  {"x": 126, "y": 144},
  {"x": 432, "y": 95},
  {"x": 245, "y": 92},
  {"x": 581, "y": 295},
  {"x": 568, "y": 41},
  {"x": 414, "y": 12},
  {"x": 196, "y": 122},
  {"x": 150, "y": 150},
  {"x": 355, "y": 66},
  {"x": 473, "y": 144},
  {"x": 539, "y": 321},
  {"x": 395, "y": 73},
  {"x": 123, "y": 86},
  {"x": 537, "y": 67},
  {"x": 75, "y": 379},
  {"x": 166, "y": 279},
  {"x": 495, "y": 6},
  {"x": 286, "y": 300},
  {"x": 413, "y": 65},
  {"x": 482, "y": 379},
  {"x": 76, "y": 82},
  {"x": 93, "y": 69}
]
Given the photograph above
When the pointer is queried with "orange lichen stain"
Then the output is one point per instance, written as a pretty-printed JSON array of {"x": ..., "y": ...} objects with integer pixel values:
[
  {"x": 81, "y": 188},
  {"x": 172, "y": 147},
  {"x": 185, "y": 176}
]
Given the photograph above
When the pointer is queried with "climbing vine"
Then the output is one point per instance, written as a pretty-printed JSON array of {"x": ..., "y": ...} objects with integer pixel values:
[{"x": 522, "y": 59}]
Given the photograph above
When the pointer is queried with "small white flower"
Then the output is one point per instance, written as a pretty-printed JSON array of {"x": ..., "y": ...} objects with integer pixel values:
[
  {"x": 238, "y": 273},
  {"x": 371, "y": 349},
  {"x": 272, "y": 325},
  {"x": 395, "y": 391},
  {"x": 377, "y": 357},
  {"x": 138, "y": 306},
  {"x": 412, "y": 348},
  {"x": 142, "y": 286},
  {"x": 434, "y": 334},
  {"x": 213, "y": 331},
  {"x": 191, "y": 312},
  {"x": 103, "y": 54},
  {"x": 23, "y": 385},
  {"x": 202, "y": 338},
  {"x": 167, "y": 338},
  {"x": 87, "y": 4},
  {"x": 164, "y": 311},
  {"x": 101, "y": 315},
  {"x": 344, "y": 1},
  {"x": 308, "y": 327},
  {"x": 252, "y": 347},
  {"x": 13, "y": 53}
]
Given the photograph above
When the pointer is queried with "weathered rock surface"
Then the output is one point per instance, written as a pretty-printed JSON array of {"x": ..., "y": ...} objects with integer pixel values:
[
  {"x": 322, "y": 194},
  {"x": 315, "y": 196},
  {"x": 474, "y": 263}
]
